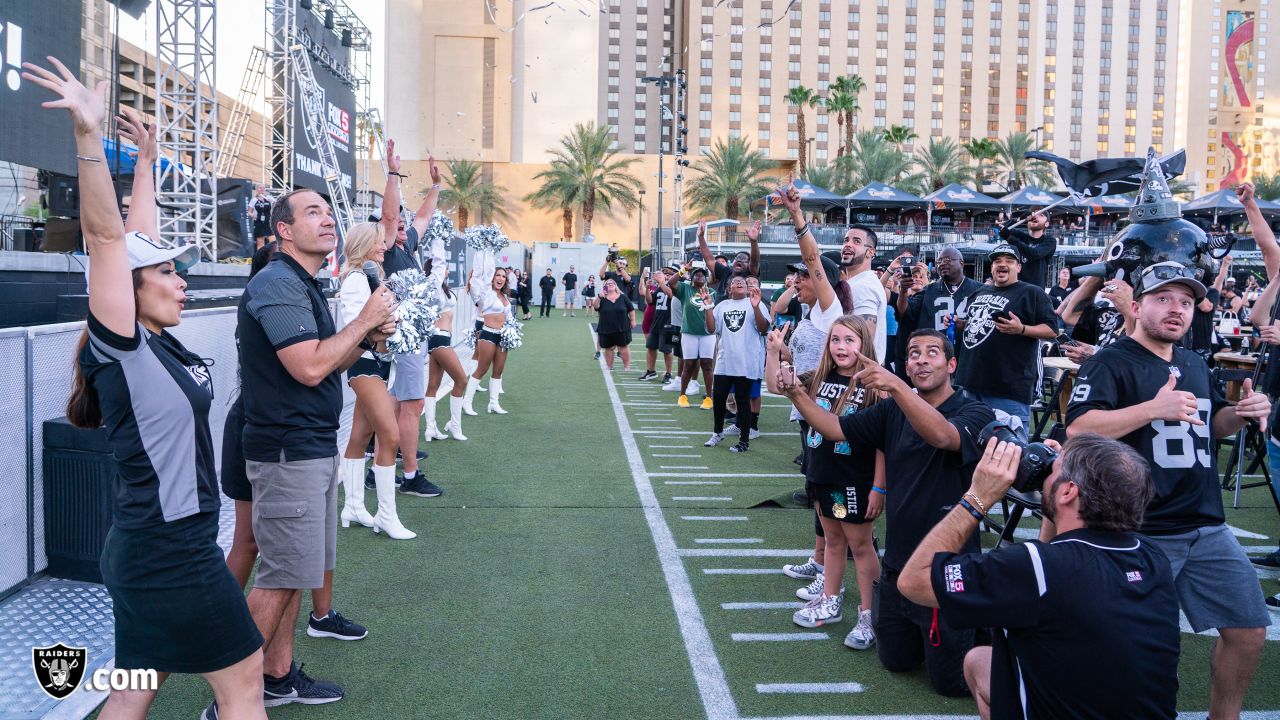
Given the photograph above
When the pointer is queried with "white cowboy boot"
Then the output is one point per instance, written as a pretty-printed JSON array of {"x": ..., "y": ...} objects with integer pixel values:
[
  {"x": 431, "y": 432},
  {"x": 454, "y": 426},
  {"x": 386, "y": 519},
  {"x": 495, "y": 386},
  {"x": 353, "y": 509},
  {"x": 472, "y": 385}
]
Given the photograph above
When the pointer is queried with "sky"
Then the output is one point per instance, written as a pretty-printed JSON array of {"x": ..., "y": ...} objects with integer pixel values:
[{"x": 241, "y": 24}]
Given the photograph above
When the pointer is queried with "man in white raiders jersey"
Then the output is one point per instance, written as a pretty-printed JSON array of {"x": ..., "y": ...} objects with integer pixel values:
[{"x": 1160, "y": 400}]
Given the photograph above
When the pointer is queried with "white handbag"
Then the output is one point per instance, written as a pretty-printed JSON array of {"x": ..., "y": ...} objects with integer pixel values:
[{"x": 1228, "y": 324}]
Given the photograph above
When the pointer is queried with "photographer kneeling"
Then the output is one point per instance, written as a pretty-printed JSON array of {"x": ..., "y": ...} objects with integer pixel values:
[{"x": 1087, "y": 616}]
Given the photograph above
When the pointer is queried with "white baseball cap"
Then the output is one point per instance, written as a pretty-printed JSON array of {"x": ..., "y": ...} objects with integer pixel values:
[{"x": 145, "y": 252}]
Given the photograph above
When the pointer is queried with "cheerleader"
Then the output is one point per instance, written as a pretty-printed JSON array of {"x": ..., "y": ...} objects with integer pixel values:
[
  {"x": 440, "y": 355},
  {"x": 493, "y": 308},
  {"x": 375, "y": 412}
]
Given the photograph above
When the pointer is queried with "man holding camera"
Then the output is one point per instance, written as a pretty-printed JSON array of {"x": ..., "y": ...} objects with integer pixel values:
[
  {"x": 929, "y": 436},
  {"x": 619, "y": 274},
  {"x": 1161, "y": 400},
  {"x": 1036, "y": 246},
  {"x": 1086, "y": 619}
]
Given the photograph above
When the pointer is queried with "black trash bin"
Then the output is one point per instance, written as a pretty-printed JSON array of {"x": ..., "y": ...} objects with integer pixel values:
[{"x": 79, "y": 475}]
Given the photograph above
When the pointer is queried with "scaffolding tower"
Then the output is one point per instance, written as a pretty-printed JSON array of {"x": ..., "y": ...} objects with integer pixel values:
[
  {"x": 246, "y": 100},
  {"x": 277, "y": 141},
  {"x": 187, "y": 118}
]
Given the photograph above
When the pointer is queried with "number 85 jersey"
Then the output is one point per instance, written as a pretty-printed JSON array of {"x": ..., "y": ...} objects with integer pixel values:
[{"x": 1184, "y": 468}]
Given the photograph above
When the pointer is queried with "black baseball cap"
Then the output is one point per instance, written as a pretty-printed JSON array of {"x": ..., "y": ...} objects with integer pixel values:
[
  {"x": 829, "y": 267},
  {"x": 1170, "y": 272}
]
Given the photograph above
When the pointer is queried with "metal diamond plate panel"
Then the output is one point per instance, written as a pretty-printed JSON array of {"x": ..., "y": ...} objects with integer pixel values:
[
  {"x": 48, "y": 612},
  {"x": 14, "y": 529},
  {"x": 52, "y": 349}
]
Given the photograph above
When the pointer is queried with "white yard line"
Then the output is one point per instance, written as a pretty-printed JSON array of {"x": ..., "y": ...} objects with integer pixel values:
[
  {"x": 779, "y": 637},
  {"x": 810, "y": 688},
  {"x": 728, "y": 475},
  {"x": 700, "y": 498},
  {"x": 729, "y": 541},
  {"x": 670, "y": 447},
  {"x": 684, "y": 467},
  {"x": 715, "y": 518},
  {"x": 693, "y": 482},
  {"x": 739, "y": 552},
  {"x": 762, "y": 605},
  {"x": 742, "y": 571}
]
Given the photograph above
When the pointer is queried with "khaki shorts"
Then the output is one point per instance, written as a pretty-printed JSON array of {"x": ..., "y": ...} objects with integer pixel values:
[{"x": 295, "y": 521}]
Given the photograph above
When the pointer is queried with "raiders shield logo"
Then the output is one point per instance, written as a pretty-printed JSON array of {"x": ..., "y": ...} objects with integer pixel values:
[
  {"x": 734, "y": 319},
  {"x": 59, "y": 669}
]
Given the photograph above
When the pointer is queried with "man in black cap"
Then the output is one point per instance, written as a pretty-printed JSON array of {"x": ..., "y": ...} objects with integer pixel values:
[
  {"x": 1003, "y": 328},
  {"x": 1035, "y": 245}
]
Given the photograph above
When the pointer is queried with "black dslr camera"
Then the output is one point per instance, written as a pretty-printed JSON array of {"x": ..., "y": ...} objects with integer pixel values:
[{"x": 1037, "y": 458}]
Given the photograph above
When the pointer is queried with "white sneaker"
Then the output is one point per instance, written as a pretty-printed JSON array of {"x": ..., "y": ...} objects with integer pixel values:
[
  {"x": 673, "y": 385},
  {"x": 863, "y": 635},
  {"x": 693, "y": 387},
  {"x": 807, "y": 571},
  {"x": 819, "y": 612},
  {"x": 731, "y": 429},
  {"x": 714, "y": 440},
  {"x": 813, "y": 590},
  {"x": 755, "y": 434}
]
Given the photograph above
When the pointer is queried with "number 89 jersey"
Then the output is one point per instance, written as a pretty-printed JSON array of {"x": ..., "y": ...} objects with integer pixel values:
[{"x": 1183, "y": 466}]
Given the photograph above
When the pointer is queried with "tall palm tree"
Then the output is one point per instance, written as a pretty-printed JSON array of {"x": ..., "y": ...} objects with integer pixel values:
[
  {"x": 899, "y": 135},
  {"x": 558, "y": 192},
  {"x": 874, "y": 159},
  {"x": 841, "y": 103},
  {"x": 851, "y": 85},
  {"x": 981, "y": 150},
  {"x": 599, "y": 179},
  {"x": 729, "y": 178},
  {"x": 832, "y": 176},
  {"x": 942, "y": 162},
  {"x": 1016, "y": 170},
  {"x": 466, "y": 192},
  {"x": 802, "y": 97},
  {"x": 1266, "y": 186}
]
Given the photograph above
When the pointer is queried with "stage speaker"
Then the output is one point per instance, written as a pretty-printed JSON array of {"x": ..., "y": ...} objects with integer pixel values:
[
  {"x": 25, "y": 240},
  {"x": 64, "y": 196},
  {"x": 133, "y": 8}
]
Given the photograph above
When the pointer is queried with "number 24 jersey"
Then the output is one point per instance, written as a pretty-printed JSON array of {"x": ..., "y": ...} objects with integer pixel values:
[{"x": 1183, "y": 465}]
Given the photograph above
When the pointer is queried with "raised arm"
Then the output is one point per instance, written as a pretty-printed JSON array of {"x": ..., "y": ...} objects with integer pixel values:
[
  {"x": 390, "y": 220},
  {"x": 143, "y": 213},
  {"x": 705, "y": 249},
  {"x": 1262, "y": 234},
  {"x": 481, "y": 282},
  {"x": 753, "y": 235},
  {"x": 784, "y": 300},
  {"x": 789, "y": 197},
  {"x": 430, "y": 201},
  {"x": 1081, "y": 298},
  {"x": 110, "y": 282}
]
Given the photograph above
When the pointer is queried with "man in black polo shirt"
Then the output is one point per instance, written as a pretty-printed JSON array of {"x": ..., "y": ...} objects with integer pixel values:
[
  {"x": 1086, "y": 620},
  {"x": 570, "y": 280},
  {"x": 547, "y": 284},
  {"x": 291, "y": 362},
  {"x": 929, "y": 437}
]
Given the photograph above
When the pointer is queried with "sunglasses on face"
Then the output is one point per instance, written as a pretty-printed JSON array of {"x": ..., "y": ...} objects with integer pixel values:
[{"x": 1167, "y": 272}]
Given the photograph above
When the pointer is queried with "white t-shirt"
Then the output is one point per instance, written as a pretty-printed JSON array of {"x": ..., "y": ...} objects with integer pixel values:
[
  {"x": 869, "y": 299},
  {"x": 740, "y": 352},
  {"x": 809, "y": 339}
]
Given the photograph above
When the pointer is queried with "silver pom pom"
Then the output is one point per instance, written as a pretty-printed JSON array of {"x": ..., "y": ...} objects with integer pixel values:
[
  {"x": 469, "y": 338},
  {"x": 512, "y": 335},
  {"x": 439, "y": 228},
  {"x": 486, "y": 237},
  {"x": 418, "y": 310}
]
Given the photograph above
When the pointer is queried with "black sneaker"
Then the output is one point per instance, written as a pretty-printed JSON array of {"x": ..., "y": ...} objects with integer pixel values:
[
  {"x": 422, "y": 487},
  {"x": 371, "y": 485},
  {"x": 648, "y": 375},
  {"x": 1270, "y": 562},
  {"x": 597, "y": 354},
  {"x": 422, "y": 455},
  {"x": 211, "y": 712},
  {"x": 740, "y": 447},
  {"x": 335, "y": 626},
  {"x": 1273, "y": 601},
  {"x": 298, "y": 687},
  {"x": 666, "y": 378}
]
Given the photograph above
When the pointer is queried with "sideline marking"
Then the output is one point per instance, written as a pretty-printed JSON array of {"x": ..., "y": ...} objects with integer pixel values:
[
  {"x": 762, "y": 605},
  {"x": 809, "y": 688},
  {"x": 692, "y": 455},
  {"x": 739, "y": 518},
  {"x": 742, "y": 571},
  {"x": 685, "y": 467},
  {"x": 693, "y": 482},
  {"x": 736, "y": 552},
  {"x": 708, "y": 674},
  {"x": 1246, "y": 534},
  {"x": 660, "y": 431},
  {"x": 700, "y": 498},
  {"x": 670, "y": 447},
  {"x": 744, "y": 541},
  {"x": 727, "y": 475},
  {"x": 779, "y": 637}
]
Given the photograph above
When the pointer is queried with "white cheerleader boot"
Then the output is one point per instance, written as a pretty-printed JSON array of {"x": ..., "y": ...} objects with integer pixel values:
[
  {"x": 353, "y": 509},
  {"x": 431, "y": 432},
  {"x": 495, "y": 386},
  {"x": 386, "y": 520},
  {"x": 472, "y": 385},
  {"x": 454, "y": 426}
]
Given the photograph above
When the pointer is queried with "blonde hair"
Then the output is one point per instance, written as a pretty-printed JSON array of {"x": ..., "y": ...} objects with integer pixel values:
[
  {"x": 360, "y": 241},
  {"x": 827, "y": 364}
]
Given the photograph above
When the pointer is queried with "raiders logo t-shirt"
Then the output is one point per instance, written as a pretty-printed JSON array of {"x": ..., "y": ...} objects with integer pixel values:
[
  {"x": 996, "y": 363},
  {"x": 841, "y": 474},
  {"x": 1100, "y": 324},
  {"x": 740, "y": 352}
]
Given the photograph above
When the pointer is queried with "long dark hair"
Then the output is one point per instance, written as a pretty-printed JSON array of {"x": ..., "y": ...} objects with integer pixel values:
[{"x": 83, "y": 409}]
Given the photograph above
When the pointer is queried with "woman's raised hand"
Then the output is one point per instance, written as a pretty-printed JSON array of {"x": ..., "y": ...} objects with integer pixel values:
[{"x": 88, "y": 108}]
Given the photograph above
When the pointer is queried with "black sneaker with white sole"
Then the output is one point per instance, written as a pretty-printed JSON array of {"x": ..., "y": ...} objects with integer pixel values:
[
  {"x": 335, "y": 626},
  {"x": 370, "y": 484},
  {"x": 1269, "y": 562},
  {"x": 666, "y": 378},
  {"x": 421, "y": 486},
  {"x": 422, "y": 455},
  {"x": 298, "y": 687},
  {"x": 648, "y": 375},
  {"x": 211, "y": 712},
  {"x": 740, "y": 447}
]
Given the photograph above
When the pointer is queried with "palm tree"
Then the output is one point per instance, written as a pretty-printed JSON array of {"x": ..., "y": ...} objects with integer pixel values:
[
  {"x": 941, "y": 162},
  {"x": 598, "y": 180},
  {"x": 1266, "y": 186},
  {"x": 841, "y": 103},
  {"x": 802, "y": 97},
  {"x": 851, "y": 85},
  {"x": 729, "y": 178},
  {"x": 899, "y": 134},
  {"x": 830, "y": 176},
  {"x": 981, "y": 150},
  {"x": 873, "y": 159},
  {"x": 556, "y": 193},
  {"x": 1018, "y": 171},
  {"x": 466, "y": 192}
]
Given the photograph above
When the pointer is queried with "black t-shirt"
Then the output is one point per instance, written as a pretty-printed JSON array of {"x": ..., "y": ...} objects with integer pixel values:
[
  {"x": 1089, "y": 620},
  {"x": 589, "y": 290},
  {"x": 999, "y": 363},
  {"x": 1035, "y": 255},
  {"x": 155, "y": 397},
  {"x": 837, "y": 462},
  {"x": 929, "y": 307},
  {"x": 923, "y": 482},
  {"x": 547, "y": 284},
  {"x": 661, "y": 308},
  {"x": 282, "y": 306},
  {"x": 613, "y": 315},
  {"x": 570, "y": 280},
  {"x": 624, "y": 286},
  {"x": 1100, "y": 324},
  {"x": 1200, "y": 339},
  {"x": 262, "y": 221},
  {"x": 1184, "y": 464},
  {"x": 399, "y": 258},
  {"x": 1057, "y": 294}
]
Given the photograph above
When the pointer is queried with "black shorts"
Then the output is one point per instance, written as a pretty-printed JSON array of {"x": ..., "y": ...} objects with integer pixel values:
[
  {"x": 177, "y": 607},
  {"x": 488, "y": 335},
  {"x": 261, "y": 230},
  {"x": 659, "y": 339},
  {"x": 368, "y": 367},
  {"x": 479, "y": 326},
  {"x": 235, "y": 483},
  {"x": 846, "y": 503},
  {"x": 614, "y": 340},
  {"x": 435, "y": 342}
]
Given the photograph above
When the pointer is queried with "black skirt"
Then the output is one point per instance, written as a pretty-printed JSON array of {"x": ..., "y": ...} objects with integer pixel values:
[
  {"x": 235, "y": 483},
  {"x": 177, "y": 607}
]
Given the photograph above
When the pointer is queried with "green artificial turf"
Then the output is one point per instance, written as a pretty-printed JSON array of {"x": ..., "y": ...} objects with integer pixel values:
[{"x": 534, "y": 589}]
